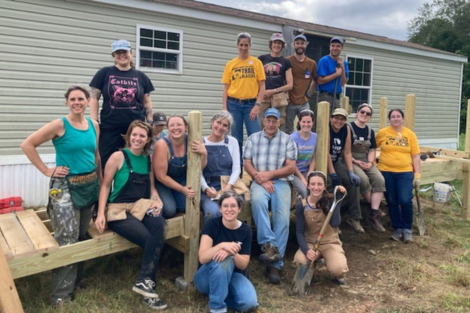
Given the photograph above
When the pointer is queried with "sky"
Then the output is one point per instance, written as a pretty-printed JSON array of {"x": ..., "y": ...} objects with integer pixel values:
[{"x": 387, "y": 18}]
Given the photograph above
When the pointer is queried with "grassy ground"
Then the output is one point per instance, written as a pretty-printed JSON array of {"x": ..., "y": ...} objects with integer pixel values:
[{"x": 429, "y": 275}]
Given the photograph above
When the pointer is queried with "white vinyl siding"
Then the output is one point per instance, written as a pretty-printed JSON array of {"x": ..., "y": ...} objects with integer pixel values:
[
  {"x": 47, "y": 46},
  {"x": 434, "y": 82}
]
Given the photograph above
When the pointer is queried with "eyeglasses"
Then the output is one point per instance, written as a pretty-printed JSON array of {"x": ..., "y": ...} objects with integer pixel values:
[{"x": 365, "y": 112}]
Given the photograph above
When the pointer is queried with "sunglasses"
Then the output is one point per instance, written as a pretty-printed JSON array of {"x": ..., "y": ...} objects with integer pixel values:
[{"x": 365, "y": 112}]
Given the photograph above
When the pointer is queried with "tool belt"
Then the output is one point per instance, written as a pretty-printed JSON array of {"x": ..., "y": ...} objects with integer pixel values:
[{"x": 84, "y": 189}]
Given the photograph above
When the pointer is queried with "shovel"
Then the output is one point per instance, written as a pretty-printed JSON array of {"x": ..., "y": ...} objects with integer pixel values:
[
  {"x": 420, "y": 216},
  {"x": 304, "y": 273}
]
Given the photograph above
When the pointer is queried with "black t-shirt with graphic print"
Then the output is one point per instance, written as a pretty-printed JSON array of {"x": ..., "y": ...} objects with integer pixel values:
[
  {"x": 275, "y": 69},
  {"x": 123, "y": 92}
]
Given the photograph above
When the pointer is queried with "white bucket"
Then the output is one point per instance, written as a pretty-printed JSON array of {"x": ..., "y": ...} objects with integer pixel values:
[{"x": 441, "y": 192}]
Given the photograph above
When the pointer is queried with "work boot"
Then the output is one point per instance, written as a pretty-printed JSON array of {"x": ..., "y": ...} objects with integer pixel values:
[
  {"x": 270, "y": 254},
  {"x": 355, "y": 224},
  {"x": 273, "y": 274},
  {"x": 374, "y": 221}
]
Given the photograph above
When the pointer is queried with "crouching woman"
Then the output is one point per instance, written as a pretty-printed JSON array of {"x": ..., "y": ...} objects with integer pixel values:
[
  {"x": 224, "y": 253},
  {"x": 309, "y": 218},
  {"x": 133, "y": 209}
]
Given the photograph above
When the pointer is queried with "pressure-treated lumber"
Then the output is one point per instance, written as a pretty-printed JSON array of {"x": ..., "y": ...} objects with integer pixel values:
[
  {"x": 38, "y": 234},
  {"x": 322, "y": 149},
  {"x": 9, "y": 299},
  {"x": 383, "y": 112},
  {"x": 15, "y": 236},
  {"x": 410, "y": 110},
  {"x": 467, "y": 129},
  {"x": 193, "y": 179}
]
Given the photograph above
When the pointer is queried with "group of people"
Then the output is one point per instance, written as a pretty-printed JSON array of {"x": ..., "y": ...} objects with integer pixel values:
[{"x": 133, "y": 171}]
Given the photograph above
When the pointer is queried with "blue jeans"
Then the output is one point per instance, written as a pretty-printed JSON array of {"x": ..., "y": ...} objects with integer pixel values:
[
  {"x": 241, "y": 113},
  {"x": 149, "y": 234},
  {"x": 280, "y": 212},
  {"x": 209, "y": 207},
  {"x": 173, "y": 201},
  {"x": 399, "y": 196},
  {"x": 225, "y": 287}
]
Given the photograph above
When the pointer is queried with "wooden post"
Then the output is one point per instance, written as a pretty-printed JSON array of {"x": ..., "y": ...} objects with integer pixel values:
[
  {"x": 466, "y": 191},
  {"x": 9, "y": 299},
  {"x": 346, "y": 105},
  {"x": 323, "y": 145},
  {"x": 383, "y": 113},
  {"x": 410, "y": 110},
  {"x": 467, "y": 129},
  {"x": 193, "y": 179}
]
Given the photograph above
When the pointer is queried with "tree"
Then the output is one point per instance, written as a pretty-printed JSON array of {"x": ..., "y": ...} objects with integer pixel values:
[{"x": 445, "y": 25}]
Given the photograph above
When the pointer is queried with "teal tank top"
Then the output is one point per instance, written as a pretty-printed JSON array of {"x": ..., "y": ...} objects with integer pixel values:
[
  {"x": 76, "y": 148},
  {"x": 139, "y": 165}
]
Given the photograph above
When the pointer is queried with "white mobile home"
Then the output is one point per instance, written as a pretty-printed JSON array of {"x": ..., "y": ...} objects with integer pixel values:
[{"x": 182, "y": 46}]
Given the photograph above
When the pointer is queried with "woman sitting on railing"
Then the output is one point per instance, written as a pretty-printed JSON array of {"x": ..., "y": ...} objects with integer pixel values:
[{"x": 134, "y": 208}]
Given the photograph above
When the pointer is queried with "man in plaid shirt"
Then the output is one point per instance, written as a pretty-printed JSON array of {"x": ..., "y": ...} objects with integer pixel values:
[{"x": 270, "y": 160}]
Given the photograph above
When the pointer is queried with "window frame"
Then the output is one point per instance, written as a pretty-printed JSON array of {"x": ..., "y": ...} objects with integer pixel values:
[
  {"x": 179, "y": 52},
  {"x": 357, "y": 86}
]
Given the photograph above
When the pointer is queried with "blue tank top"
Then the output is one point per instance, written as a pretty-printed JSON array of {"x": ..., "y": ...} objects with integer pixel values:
[{"x": 76, "y": 148}]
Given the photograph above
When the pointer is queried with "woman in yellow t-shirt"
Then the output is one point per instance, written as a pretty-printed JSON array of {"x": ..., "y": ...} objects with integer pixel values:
[
  {"x": 243, "y": 81},
  {"x": 400, "y": 165}
]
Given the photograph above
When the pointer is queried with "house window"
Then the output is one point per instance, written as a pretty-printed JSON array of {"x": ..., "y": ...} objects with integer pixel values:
[
  {"x": 359, "y": 85},
  {"x": 159, "y": 49}
]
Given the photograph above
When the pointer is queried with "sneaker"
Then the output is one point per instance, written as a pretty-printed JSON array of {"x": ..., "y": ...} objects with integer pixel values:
[
  {"x": 270, "y": 254},
  {"x": 407, "y": 236},
  {"x": 155, "y": 303},
  {"x": 355, "y": 224},
  {"x": 273, "y": 274},
  {"x": 374, "y": 221},
  {"x": 340, "y": 280},
  {"x": 397, "y": 235},
  {"x": 145, "y": 288}
]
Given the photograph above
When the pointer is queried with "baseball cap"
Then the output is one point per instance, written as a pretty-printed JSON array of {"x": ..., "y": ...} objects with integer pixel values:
[
  {"x": 277, "y": 36},
  {"x": 159, "y": 118},
  {"x": 340, "y": 111},
  {"x": 338, "y": 39},
  {"x": 120, "y": 45},
  {"x": 300, "y": 37},
  {"x": 273, "y": 112}
]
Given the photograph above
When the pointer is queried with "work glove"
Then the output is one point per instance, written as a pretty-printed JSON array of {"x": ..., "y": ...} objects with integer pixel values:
[
  {"x": 335, "y": 180},
  {"x": 356, "y": 180},
  {"x": 417, "y": 180}
]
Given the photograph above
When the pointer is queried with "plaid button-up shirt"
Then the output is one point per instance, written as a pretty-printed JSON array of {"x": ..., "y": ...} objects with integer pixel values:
[{"x": 268, "y": 154}]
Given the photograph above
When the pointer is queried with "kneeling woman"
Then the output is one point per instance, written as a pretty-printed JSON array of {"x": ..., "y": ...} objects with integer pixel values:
[
  {"x": 310, "y": 218},
  {"x": 224, "y": 253},
  {"x": 129, "y": 214}
]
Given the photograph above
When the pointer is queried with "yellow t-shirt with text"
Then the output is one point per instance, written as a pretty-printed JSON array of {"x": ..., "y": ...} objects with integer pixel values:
[
  {"x": 243, "y": 76},
  {"x": 396, "y": 149}
]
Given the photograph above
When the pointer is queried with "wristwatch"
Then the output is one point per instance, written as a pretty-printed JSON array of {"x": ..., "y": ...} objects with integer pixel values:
[{"x": 257, "y": 103}]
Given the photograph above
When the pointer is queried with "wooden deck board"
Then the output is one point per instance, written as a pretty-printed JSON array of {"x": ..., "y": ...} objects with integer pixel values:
[
  {"x": 5, "y": 248},
  {"x": 15, "y": 236},
  {"x": 37, "y": 232}
]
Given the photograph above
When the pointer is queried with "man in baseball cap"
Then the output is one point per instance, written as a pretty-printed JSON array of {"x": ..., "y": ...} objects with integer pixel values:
[
  {"x": 270, "y": 161},
  {"x": 304, "y": 73},
  {"x": 333, "y": 74}
]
